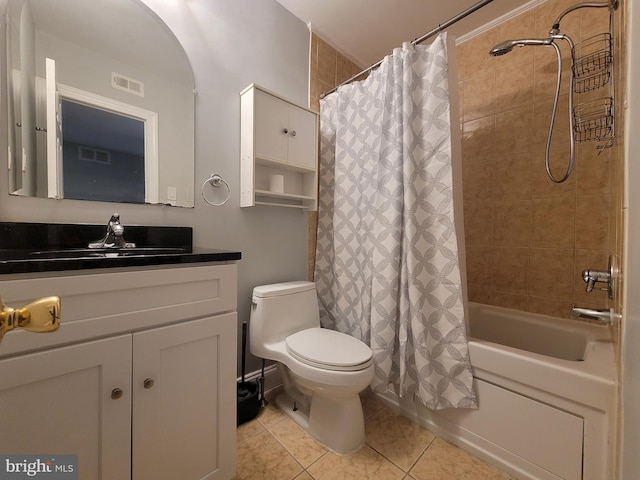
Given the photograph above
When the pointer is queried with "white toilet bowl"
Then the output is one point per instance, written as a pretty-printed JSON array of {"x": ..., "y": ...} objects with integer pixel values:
[{"x": 323, "y": 371}]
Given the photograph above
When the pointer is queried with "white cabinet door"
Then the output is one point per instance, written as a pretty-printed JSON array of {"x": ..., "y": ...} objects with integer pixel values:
[
  {"x": 60, "y": 402},
  {"x": 302, "y": 137},
  {"x": 284, "y": 132},
  {"x": 271, "y": 127},
  {"x": 184, "y": 397}
]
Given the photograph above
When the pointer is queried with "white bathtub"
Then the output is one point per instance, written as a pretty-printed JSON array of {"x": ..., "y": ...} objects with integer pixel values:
[{"x": 547, "y": 393}]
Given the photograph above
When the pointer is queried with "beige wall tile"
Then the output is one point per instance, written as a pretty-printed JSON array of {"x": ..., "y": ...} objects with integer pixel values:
[
  {"x": 511, "y": 224},
  {"x": 478, "y": 139},
  {"x": 327, "y": 63},
  {"x": 552, "y": 223},
  {"x": 477, "y": 224},
  {"x": 547, "y": 13},
  {"x": 479, "y": 267},
  {"x": 476, "y": 181},
  {"x": 550, "y": 306},
  {"x": 560, "y": 139},
  {"x": 551, "y": 273},
  {"x": 473, "y": 56},
  {"x": 509, "y": 269},
  {"x": 514, "y": 131},
  {"x": 511, "y": 178},
  {"x": 479, "y": 95},
  {"x": 542, "y": 186},
  {"x": 514, "y": 80},
  {"x": 592, "y": 222},
  {"x": 509, "y": 300},
  {"x": 545, "y": 72},
  {"x": 479, "y": 293},
  {"x": 593, "y": 22},
  {"x": 593, "y": 169},
  {"x": 521, "y": 26}
]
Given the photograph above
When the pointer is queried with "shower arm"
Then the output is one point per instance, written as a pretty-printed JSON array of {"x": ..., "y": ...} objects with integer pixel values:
[{"x": 555, "y": 29}]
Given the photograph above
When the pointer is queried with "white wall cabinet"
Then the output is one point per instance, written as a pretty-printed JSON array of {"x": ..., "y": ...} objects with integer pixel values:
[
  {"x": 155, "y": 398},
  {"x": 278, "y": 137}
]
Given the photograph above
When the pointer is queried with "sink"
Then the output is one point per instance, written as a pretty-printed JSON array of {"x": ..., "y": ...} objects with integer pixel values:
[{"x": 107, "y": 252}]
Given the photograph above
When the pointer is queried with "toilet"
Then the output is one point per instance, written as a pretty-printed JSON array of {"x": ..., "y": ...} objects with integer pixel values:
[{"x": 322, "y": 371}]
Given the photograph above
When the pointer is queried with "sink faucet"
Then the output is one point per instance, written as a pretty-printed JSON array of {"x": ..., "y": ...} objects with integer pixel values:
[
  {"x": 605, "y": 315},
  {"x": 114, "y": 238}
]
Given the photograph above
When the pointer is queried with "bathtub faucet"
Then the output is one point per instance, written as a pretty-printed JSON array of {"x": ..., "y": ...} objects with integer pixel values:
[{"x": 605, "y": 315}]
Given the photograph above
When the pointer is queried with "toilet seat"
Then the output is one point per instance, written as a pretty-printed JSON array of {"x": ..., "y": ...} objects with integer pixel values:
[{"x": 329, "y": 350}]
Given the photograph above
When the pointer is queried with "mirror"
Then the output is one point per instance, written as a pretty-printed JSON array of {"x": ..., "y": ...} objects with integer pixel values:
[{"x": 100, "y": 103}]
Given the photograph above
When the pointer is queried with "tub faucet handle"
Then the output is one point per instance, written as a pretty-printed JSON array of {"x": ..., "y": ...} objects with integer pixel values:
[
  {"x": 591, "y": 277},
  {"x": 608, "y": 277}
]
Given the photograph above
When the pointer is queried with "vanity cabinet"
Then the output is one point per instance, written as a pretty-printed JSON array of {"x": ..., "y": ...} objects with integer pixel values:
[
  {"x": 58, "y": 402},
  {"x": 278, "y": 138},
  {"x": 139, "y": 381}
]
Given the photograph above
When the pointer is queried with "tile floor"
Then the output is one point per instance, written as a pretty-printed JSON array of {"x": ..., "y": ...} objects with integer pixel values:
[{"x": 274, "y": 447}]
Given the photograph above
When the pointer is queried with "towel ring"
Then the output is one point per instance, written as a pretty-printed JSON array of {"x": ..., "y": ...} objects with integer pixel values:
[{"x": 215, "y": 180}]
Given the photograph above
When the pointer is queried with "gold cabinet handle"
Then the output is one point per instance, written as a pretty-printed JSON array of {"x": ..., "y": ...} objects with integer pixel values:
[
  {"x": 116, "y": 393},
  {"x": 148, "y": 383},
  {"x": 42, "y": 315}
]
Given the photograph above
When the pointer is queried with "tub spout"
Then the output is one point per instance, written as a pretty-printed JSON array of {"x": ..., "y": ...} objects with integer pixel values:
[{"x": 605, "y": 315}]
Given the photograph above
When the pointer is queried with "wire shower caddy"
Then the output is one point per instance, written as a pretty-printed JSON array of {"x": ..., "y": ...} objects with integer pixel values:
[{"x": 593, "y": 69}]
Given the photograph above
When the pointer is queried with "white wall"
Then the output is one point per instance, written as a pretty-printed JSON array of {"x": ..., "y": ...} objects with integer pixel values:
[
  {"x": 231, "y": 44},
  {"x": 631, "y": 333}
]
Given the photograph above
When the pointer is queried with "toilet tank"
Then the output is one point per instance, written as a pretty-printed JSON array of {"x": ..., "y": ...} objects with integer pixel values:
[{"x": 280, "y": 309}]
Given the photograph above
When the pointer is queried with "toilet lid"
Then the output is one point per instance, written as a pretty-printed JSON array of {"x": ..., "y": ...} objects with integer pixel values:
[{"x": 328, "y": 349}]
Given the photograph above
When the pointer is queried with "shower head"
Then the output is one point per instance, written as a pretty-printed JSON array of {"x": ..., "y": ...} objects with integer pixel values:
[{"x": 506, "y": 46}]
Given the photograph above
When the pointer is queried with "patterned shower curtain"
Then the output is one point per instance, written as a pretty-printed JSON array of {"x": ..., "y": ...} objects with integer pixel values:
[{"x": 387, "y": 257}]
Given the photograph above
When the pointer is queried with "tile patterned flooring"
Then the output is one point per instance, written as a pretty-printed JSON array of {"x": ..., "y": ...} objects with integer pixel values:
[{"x": 274, "y": 447}]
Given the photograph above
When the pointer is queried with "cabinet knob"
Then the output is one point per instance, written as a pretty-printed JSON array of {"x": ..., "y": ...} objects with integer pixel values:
[
  {"x": 293, "y": 133},
  {"x": 148, "y": 383},
  {"x": 116, "y": 393},
  {"x": 285, "y": 130}
]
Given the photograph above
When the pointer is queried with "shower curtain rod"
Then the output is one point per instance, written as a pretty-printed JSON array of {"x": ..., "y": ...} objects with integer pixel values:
[{"x": 435, "y": 31}]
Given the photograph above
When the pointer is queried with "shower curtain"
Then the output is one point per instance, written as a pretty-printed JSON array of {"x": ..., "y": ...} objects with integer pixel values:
[{"x": 387, "y": 258}]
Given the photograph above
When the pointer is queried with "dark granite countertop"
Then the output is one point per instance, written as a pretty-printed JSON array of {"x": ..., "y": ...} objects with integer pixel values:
[
  {"x": 20, "y": 261},
  {"x": 37, "y": 247}
]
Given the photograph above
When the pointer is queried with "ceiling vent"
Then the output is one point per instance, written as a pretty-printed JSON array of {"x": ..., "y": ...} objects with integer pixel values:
[{"x": 127, "y": 84}]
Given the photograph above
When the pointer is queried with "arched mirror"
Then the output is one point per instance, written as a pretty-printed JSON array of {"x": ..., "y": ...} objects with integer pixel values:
[{"x": 100, "y": 103}]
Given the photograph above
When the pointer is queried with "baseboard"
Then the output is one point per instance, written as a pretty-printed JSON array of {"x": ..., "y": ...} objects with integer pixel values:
[{"x": 271, "y": 377}]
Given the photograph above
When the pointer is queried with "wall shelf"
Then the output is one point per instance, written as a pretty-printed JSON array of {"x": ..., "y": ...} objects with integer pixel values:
[{"x": 278, "y": 139}]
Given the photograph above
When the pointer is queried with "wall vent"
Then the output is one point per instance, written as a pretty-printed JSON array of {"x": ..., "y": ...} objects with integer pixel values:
[
  {"x": 122, "y": 82},
  {"x": 88, "y": 154}
]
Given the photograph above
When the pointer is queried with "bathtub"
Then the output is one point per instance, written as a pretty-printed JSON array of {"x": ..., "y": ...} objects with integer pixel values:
[{"x": 547, "y": 397}]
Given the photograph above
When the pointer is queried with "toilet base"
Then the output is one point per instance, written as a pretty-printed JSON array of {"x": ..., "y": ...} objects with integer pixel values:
[{"x": 336, "y": 423}]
